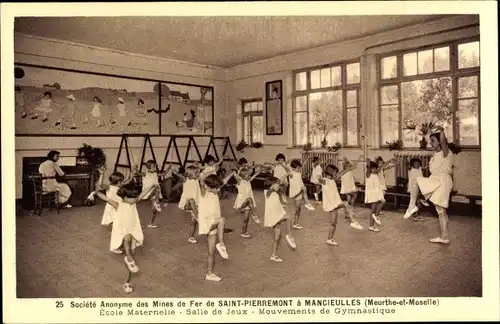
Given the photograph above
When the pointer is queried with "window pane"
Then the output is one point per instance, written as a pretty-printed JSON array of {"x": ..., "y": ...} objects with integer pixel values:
[
  {"x": 326, "y": 80},
  {"x": 254, "y": 106},
  {"x": 300, "y": 128},
  {"x": 389, "y": 67},
  {"x": 247, "y": 106},
  {"x": 425, "y": 64},
  {"x": 410, "y": 64},
  {"x": 257, "y": 129},
  {"x": 352, "y": 127},
  {"x": 353, "y": 74},
  {"x": 301, "y": 81},
  {"x": 301, "y": 103},
  {"x": 325, "y": 117},
  {"x": 468, "y": 55},
  {"x": 389, "y": 95},
  {"x": 425, "y": 101},
  {"x": 336, "y": 76},
  {"x": 352, "y": 98},
  {"x": 389, "y": 123},
  {"x": 246, "y": 128},
  {"x": 442, "y": 59},
  {"x": 468, "y": 120},
  {"x": 260, "y": 107},
  {"x": 315, "y": 79},
  {"x": 468, "y": 87}
]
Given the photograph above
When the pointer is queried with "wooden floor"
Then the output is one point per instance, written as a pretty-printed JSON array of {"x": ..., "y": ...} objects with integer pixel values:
[{"x": 67, "y": 255}]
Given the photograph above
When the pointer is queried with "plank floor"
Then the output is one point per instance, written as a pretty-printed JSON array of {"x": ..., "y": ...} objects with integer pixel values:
[{"x": 67, "y": 255}]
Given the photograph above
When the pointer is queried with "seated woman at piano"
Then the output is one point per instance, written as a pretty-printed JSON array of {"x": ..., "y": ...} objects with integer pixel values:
[{"x": 49, "y": 170}]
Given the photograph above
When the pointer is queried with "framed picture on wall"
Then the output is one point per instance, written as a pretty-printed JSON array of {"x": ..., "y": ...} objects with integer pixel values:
[
  {"x": 61, "y": 102},
  {"x": 190, "y": 109},
  {"x": 274, "y": 108}
]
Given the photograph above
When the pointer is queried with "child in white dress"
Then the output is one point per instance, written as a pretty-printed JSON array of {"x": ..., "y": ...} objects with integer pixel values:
[
  {"x": 96, "y": 111},
  {"x": 151, "y": 179},
  {"x": 122, "y": 113},
  {"x": 190, "y": 197},
  {"x": 275, "y": 215},
  {"x": 332, "y": 201},
  {"x": 127, "y": 231},
  {"x": 383, "y": 166},
  {"x": 414, "y": 173},
  {"x": 316, "y": 174},
  {"x": 211, "y": 223},
  {"x": 298, "y": 192},
  {"x": 438, "y": 186},
  {"x": 280, "y": 170},
  {"x": 115, "y": 180},
  {"x": 245, "y": 201},
  {"x": 210, "y": 166},
  {"x": 373, "y": 193},
  {"x": 347, "y": 184}
]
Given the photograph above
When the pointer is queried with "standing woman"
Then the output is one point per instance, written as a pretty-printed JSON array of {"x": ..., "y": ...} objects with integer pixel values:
[
  {"x": 438, "y": 186},
  {"x": 48, "y": 170}
]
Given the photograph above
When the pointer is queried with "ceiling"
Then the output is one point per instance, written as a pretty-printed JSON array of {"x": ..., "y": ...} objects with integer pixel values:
[{"x": 215, "y": 41}]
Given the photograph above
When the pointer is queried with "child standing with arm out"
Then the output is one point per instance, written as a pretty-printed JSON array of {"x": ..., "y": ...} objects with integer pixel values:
[
  {"x": 332, "y": 201},
  {"x": 298, "y": 192},
  {"x": 373, "y": 193},
  {"x": 245, "y": 200},
  {"x": 316, "y": 173},
  {"x": 348, "y": 185},
  {"x": 190, "y": 197},
  {"x": 275, "y": 215},
  {"x": 150, "y": 179},
  {"x": 211, "y": 223},
  {"x": 384, "y": 166},
  {"x": 127, "y": 231}
]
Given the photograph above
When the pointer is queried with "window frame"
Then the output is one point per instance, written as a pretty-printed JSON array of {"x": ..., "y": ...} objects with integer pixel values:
[
  {"x": 454, "y": 73},
  {"x": 343, "y": 87},
  {"x": 250, "y": 115}
]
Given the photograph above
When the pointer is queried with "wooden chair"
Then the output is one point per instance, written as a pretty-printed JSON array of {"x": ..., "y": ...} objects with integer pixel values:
[{"x": 41, "y": 196}]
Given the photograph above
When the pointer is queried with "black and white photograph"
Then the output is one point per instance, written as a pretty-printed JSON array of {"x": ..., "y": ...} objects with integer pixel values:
[{"x": 280, "y": 166}]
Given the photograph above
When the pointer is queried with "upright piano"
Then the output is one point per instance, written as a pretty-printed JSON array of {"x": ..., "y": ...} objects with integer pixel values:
[{"x": 80, "y": 179}]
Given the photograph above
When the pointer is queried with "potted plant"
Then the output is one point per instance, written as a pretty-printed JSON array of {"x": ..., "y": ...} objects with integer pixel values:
[
  {"x": 91, "y": 156},
  {"x": 335, "y": 148},
  {"x": 308, "y": 147},
  {"x": 424, "y": 130},
  {"x": 257, "y": 145},
  {"x": 397, "y": 145},
  {"x": 241, "y": 146}
]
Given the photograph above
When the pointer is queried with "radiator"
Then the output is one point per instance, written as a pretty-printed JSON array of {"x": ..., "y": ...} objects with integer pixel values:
[
  {"x": 326, "y": 157},
  {"x": 403, "y": 167}
]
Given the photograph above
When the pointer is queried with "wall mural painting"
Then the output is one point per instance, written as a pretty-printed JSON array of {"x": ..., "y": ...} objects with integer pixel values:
[
  {"x": 186, "y": 109},
  {"x": 50, "y": 101}
]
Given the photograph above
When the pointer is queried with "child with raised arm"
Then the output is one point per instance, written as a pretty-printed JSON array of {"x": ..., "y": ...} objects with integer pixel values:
[
  {"x": 316, "y": 174},
  {"x": 211, "y": 222},
  {"x": 127, "y": 231},
  {"x": 275, "y": 215},
  {"x": 190, "y": 197},
  {"x": 374, "y": 195},
  {"x": 245, "y": 201},
  {"x": 298, "y": 192},
  {"x": 384, "y": 166},
  {"x": 332, "y": 201},
  {"x": 347, "y": 183},
  {"x": 210, "y": 166}
]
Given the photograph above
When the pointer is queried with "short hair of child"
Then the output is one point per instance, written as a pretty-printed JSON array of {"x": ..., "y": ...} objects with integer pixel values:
[
  {"x": 191, "y": 171},
  {"x": 415, "y": 160},
  {"x": 379, "y": 159},
  {"x": 130, "y": 190},
  {"x": 331, "y": 170},
  {"x": 315, "y": 159},
  {"x": 280, "y": 156},
  {"x": 150, "y": 163},
  {"x": 295, "y": 164},
  {"x": 213, "y": 181},
  {"x": 242, "y": 161},
  {"x": 373, "y": 165},
  {"x": 209, "y": 158},
  {"x": 116, "y": 177},
  {"x": 270, "y": 182}
]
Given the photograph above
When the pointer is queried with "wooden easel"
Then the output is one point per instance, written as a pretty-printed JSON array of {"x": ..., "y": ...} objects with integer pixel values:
[
  {"x": 227, "y": 145},
  {"x": 124, "y": 143}
]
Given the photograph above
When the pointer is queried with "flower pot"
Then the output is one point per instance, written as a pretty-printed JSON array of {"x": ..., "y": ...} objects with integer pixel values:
[
  {"x": 423, "y": 143},
  {"x": 324, "y": 143}
]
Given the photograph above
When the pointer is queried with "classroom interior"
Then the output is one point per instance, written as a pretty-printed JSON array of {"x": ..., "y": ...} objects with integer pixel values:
[{"x": 373, "y": 73}]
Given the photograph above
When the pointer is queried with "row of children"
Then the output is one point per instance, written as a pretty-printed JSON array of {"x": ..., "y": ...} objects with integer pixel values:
[{"x": 200, "y": 197}]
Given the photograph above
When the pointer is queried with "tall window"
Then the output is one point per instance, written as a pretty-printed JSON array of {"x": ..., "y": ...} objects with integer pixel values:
[
  {"x": 253, "y": 121},
  {"x": 326, "y": 105},
  {"x": 439, "y": 85}
]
